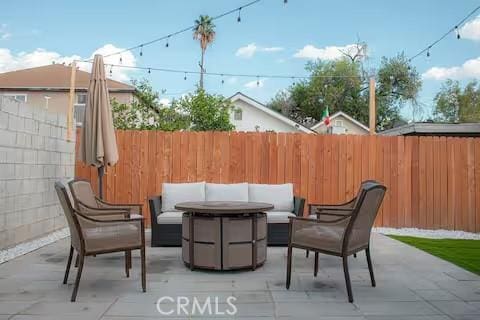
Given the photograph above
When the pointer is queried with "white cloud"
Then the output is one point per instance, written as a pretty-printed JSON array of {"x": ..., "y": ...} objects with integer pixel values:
[
  {"x": 164, "y": 102},
  {"x": 469, "y": 69},
  {"x": 40, "y": 57},
  {"x": 471, "y": 29},
  {"x": 249, "y": 50},
  {"x": 328, "y": 53},
  {"x": 255, "y": 84},
  {"x": 4, "y": 34},
  {"x": 232, "y": 80}
]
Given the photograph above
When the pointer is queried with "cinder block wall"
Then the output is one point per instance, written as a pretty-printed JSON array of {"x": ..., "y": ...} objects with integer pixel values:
[{"x": 34, "y": 153}]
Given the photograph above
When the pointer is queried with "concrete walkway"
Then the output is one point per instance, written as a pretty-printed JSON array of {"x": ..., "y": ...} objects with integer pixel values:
[{"x": 410, "y": 285}]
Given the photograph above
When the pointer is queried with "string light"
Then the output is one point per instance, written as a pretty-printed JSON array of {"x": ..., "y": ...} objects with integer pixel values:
[
  {"x": 258, "y": 82},
  {"x": 453, "y": 29},
  {"x": 457, "y": 32},
  {"x": 166, "y": 44},
  {"x": 141, "y": 50},
  {"x": 285, "y": 1},
  {"x": 239, "y": 19},
  {"x": 223, "y": 81},
  {"x": 111, "y": 71},
  {"x": 181, "y": 31},
  {"x": 121, "y": 60},
  {"x": 185, "y": 77},
  {"x": 149, "y": 71}
]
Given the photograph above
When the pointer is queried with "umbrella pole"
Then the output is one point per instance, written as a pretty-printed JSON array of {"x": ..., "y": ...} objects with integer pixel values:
[{"x": 101, "y": 171}]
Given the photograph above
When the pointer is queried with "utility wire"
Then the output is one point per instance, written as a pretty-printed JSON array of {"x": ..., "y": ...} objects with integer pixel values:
[{"x": 455, "y": 28}]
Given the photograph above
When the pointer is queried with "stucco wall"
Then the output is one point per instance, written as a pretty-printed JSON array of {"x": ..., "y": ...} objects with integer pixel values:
[
  {"x": 253, "y": 117},
  {"x": 33, "y": 154}
]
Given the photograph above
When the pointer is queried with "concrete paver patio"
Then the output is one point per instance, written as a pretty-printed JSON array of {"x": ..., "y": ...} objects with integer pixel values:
[{"x": 410, "y": 285}]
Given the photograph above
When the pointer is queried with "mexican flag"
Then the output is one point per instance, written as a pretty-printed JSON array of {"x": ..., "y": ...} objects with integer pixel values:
[{"x": 326, "y": 117}]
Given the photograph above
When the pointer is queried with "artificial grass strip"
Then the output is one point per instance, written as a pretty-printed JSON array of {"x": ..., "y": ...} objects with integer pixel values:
[{"x": 463, "y": 253}]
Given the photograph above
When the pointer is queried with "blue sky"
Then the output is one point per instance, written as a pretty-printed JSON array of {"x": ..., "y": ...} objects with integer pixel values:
[{"x": 37, "y": 32}]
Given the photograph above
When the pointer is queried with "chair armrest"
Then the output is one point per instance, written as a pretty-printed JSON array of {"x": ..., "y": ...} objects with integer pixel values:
[
  {"x": 155, "y": 206},
  {"x": 113, "y": 212},
  {"x": 314, "y": 207},
  {"x": 319, "y": 220},
  {"x": 101, "y": 211},
  {"x": 298, "y": 206},
  {"x": 126, "y": 206}
]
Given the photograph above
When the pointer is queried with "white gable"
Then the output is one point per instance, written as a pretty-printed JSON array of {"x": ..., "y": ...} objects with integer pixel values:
[
  {"x": 257, "y": 117},
  {"x": 342, "y": 123}
]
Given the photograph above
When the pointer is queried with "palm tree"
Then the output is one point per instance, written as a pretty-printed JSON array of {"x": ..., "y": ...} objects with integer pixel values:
[{"x": 204, "y": 32}]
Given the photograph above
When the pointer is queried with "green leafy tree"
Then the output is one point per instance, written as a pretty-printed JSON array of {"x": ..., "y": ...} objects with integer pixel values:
[
  {"x": 204, "y": 32},
  {"x": 454, "y": 104},
  {"x": 206, "y": 111},
  {"x": 146, "y": 112},
  {"x": 342, "y": 85}
]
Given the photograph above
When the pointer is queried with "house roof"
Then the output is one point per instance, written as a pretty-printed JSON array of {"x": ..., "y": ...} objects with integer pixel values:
[
  {"x": 343, "y": 114},
  {"x": 53, "y": 77},
  {"x": 434, "y": 129},
  {"x": 273, "y": 113}
]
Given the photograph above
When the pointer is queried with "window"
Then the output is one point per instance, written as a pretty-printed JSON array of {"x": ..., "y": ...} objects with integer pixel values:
[
  {"x": 237, "y": 115},
  {"x": 18, "y": 97},
  {"x": 338, "y": 123},
  {"x": 81, "y": 98},
  {"x": 79, "y": 108}
]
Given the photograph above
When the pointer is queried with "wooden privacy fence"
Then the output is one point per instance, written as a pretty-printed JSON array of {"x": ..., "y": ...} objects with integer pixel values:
[{"x": 433, "y": 182}]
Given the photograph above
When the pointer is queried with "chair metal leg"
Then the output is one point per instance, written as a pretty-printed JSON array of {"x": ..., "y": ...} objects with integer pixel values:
[
  {"x": 69, "y": 263},
  {"x": 370, "y": 266},
  {"x": 347, "y": 278},
  {"x": 127, "y": 264},
  {"x": 307, "y": 253},
  {"x": 315, "y": 271},
  {"x": 144, "y": 277},
  {"x": 289, "y": 266},
  {"x": 77, "y": 280}
]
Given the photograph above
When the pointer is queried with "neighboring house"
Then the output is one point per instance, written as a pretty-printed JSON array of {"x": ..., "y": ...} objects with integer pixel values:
[
  {"x": 251, "y": 115},
  {"x": 341, "y": 123},
  {"x": 48, "y": 86},
  {"x": 435, "y": 129}
]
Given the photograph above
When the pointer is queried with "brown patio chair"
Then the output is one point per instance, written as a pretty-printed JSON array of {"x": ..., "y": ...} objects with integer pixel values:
[
  {"x": 315, "y": 210},
  {"x": 92, "y": 235},
  {"x": 84, "y": 200},
  {"x": 344, "y": 235}
]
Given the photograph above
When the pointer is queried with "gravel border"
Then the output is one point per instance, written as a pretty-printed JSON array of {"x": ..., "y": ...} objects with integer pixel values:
[
  {"x": 26, "y": 247},
  {"x": 431, "y": 234}
]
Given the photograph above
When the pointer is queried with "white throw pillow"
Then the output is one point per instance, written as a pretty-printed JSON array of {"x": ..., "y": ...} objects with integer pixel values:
[
  {"x": 173, "y": 193},
  {"x": 280, "y": 195},
  {"x": 226, "y": 192}
]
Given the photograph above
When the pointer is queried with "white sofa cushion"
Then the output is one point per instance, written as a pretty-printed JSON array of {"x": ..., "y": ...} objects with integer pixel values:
[
  {"x": 278, "y": 216},
  {"x": 226, "y": 192},
  {"x": 173, "y": 193},
  {"x": 170, "y": 217},
  {"x": 280, "y": 195}
]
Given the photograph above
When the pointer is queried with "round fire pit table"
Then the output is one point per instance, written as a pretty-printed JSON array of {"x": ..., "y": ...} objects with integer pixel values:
[{"x": 227, "y": 235}]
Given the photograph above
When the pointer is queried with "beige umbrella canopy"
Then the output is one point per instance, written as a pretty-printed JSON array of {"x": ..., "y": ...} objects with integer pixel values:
[{"x": 98, "y": 145}]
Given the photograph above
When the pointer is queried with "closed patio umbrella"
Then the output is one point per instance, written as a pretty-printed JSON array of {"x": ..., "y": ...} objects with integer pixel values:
[{"x": 98, "y": 145}]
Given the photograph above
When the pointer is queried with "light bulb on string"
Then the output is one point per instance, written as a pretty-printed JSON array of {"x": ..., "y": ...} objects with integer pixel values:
[
  {"x": 293, "y": 81},
  {"x": 120, "y": 60},
  {"x": 428, "y": 52},
  {"x": 167, "y": 44},
  {"x": 223, "y": 81},
  {"x": 111, "y": 71},
  {"x": 185, "y": 76},
  {"x": 239, "y": 18},
  {"x": 285, "y": 1},
  {"x": 141, "y": 50},
  {"x": 258, "y": 81},
  {"x": 457, "y": 32},
  {"x": 149, "y": 71}
]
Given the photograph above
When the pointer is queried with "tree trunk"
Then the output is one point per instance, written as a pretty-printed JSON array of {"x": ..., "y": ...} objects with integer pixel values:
[{"x": 202, "y": 69}]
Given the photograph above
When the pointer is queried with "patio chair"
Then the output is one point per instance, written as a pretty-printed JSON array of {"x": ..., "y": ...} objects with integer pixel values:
[
  {"x": 315, "y": 210},
  {"x": 84, "y": 200},
  {"x": 348, "y": 232},
  {"x": 92, "y": 235}
]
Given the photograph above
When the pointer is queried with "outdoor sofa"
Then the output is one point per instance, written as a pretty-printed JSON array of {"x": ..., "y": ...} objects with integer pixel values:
[{"x": 166, "y": 221}]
